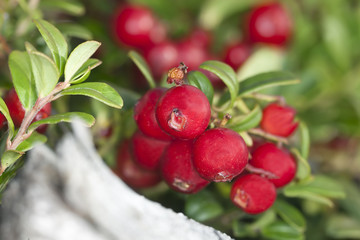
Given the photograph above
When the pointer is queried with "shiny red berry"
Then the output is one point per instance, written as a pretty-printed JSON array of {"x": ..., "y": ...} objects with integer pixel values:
[
  {"x": 275, "y": 160},
  {"x": 131, "y": 173},
  {"x": 144, "y": 114},
  {"x": 279, "y": 120},
  {"x": 17, "y": 111},
  {"x": 220, "y": 154},
  {"x": 2, "y": 120},
  {"x": 183, "y": 112},
  {"x": 136, "y": 26},
  {"x": 161, "y": 58},
  {"x": 147, "y": 150},
  {"x": 253, "y": 194},
  {"x": 178, "y": 170},
  {"x": 236, "y": 54},
  {"x": 269, "y": 23}
]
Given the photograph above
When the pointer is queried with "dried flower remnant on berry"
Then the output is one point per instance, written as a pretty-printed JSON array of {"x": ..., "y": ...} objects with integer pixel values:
[{"x": 177, "y": 74}]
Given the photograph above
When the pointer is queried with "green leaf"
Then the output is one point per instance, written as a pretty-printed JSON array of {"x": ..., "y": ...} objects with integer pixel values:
[
  {"x": 45, "y": 72},
  {"x": 305, "y": 140},
  {"x": 281, "y": 231},
  {"x": 55, "y": 41},
  {"x": 143, "y": 67},
  {"x": 5, "y": 111},
  {"x": 266, "y": 80},
  {"x": 202, "y": 206},
  {"x": 226, "y": 74},
  {"x": 23, "y": 79},
  {"x": 31, "y": 142},
  {"x": 9, "y": 157},
  {"x": 100, "y": 91},
  {"x": 83, "y": 73},
  {"x": 87, "y": 119},
  {"x": 352, "y": 199},
  {"x": 247, "y": 121},
  {"x": 303, "y": 170},
  {"x": 290, "y": 215},
  {"x": 199, "y": 80},
  {"x": 78, "y": 57},
  {"x": 214, "y": 12},
  {"x": 71, "y": 7},
  {"x": 75, "y": 30},
  {"x": 343, "y": 227},
  {"x": 8, "y": 174}
]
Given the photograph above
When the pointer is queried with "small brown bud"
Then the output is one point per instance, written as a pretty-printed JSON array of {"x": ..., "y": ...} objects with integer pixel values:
[{"x": 177, "y": 74}]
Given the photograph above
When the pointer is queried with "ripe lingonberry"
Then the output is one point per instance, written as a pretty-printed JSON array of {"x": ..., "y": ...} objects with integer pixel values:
[
  {"x": 269, "y": 23},
  {"x": 177, "y": 168},
  {"x": 144, "y": 114},
  {"x": 183, "y": 112},
  {"x": 236, "y": 54},
  {"x": 161, "y": 58},
  {"x": 17, "y": 111},
  {"x": 253, "y": 193},
  {"x": 191, "y": 54},
  {"x": 220, "y": 154},
  {"x": 275, "y": 160},
  {"x": 131, "y": 173},
  {"x": 136, "y": 26},
  {"x": 278, "y": 120},
  {"x": 200, "y": 38},
  {"x": 147, "y": 150}
]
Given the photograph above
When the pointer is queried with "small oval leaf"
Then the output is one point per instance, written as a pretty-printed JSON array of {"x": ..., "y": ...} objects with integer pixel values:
[
  {"x": 87, "y": 119},
  {"x": 45, "y": 72},
  {"x": 143, "y": 67},
  {"x": 9, "y": 157},
  {"x": 248, "y": 121},
  {"x": 266, "y": 80},
  {"x": 55, "y": 41},
  {"x": 31, "y": 142},
  {"x": 305, "y": 140},
  {"x": 100, "y": 91},
  {"x": 78, "y": 57},
  {"x": 5, "y": 111},
  {"x": 90, "y": 64},
  {"x": 290, "y": 214},
  {"x": 303, "y": 170},
  {"x": 281, "y": 231},
  {"x": 23, "y": 79},
  {"x": 199, "y": 80},
  {"x": 226, "y": 74},
  {"x": 72, "y": 7},
  {"x": 75, "y": 30}
]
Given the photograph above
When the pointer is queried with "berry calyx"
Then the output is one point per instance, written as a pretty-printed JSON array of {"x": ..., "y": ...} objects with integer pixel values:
[
  {"x": 183, "y": 112},
  {"x": 275, "y": 160},
  {"x": 220, "y": 154},
  {"x": 147, "y": 151},
  {"x": 178, "y": 170},
  {"x": 253, "y": 194},
  {"x": 144, "y": 114},
  {"x": 269, "y": 23},
  {"x": 279, "y": 120},
  {"x": 131, "y": 173},
  {"x": 177, "y": 74}
]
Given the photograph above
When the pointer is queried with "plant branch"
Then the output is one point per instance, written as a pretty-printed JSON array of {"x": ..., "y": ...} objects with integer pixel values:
[{"x": 262, "y": 133}]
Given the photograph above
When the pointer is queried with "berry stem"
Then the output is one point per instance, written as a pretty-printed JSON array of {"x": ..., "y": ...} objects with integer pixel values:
[
  {"x": 260, "y": 171},
  {"x": 262, "y": 133},
  {"x": 268, "y": 98}
]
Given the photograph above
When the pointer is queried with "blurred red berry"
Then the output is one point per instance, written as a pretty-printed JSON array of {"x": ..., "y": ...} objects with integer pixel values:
[
  {"x": 200, "y": 38},
  {"x": 191, "y": 54},
  {"x": 279, "y": 120},
  {"x": 220, "y": 154},
  {"x": 253, "y": 194},
  {"x": 275, "y": 160},
  {"x": 136, "y": 26},
  {"x": 236, "y": 54},
  {"x": 178, "y": 170},
  {"x": 269, "y": 23},
  {"x": 2, "y": 120}
]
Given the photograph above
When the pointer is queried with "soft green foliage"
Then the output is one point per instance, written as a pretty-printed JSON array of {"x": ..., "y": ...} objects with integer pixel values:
[
  {"x": 199, "y": 80},
  {"x": 143, "y": 67}
]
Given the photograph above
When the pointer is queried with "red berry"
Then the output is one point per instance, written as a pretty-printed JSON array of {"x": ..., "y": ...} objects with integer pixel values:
[
  {"x": 17, "y": 111},
  {"x": 2, "y": 120},
  {"x": 220, "y": 154},
  {"x": 275, "y": 160},
  {"x": 269, "y": 23},
  {"x": 136, "y": 26},
  {"x": 278, "y": 120},
  {"x": 236, "y": 54},
  {"x": 130, "y": 172},
  {"x": 253, "y": 193},
  {"x": 147, "y": 151},
  {"x": 191, "y": 54},
  {"x": 161, "y": 58},
  {"x": 144, "y": 114},
  {"x": 200, "y": 38},
  {"x": 183, "y": 112},
  {"x": 177, "y": 168}
]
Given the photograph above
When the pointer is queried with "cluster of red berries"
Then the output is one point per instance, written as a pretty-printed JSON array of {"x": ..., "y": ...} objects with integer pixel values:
[
  {"x": 175, "y": 143},
  {"x": 136, "y": 26},
  {"x": 17, "y": 111}
]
